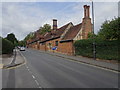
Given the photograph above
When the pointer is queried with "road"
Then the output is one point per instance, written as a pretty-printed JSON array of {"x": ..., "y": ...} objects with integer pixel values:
[{"x": 43, "y": 70}]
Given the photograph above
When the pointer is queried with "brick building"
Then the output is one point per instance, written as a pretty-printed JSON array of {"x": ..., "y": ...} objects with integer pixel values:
[{"x": 63, "y": 37}]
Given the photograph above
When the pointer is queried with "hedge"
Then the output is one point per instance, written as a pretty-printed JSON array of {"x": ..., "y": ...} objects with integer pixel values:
[
  {"x": 105, "y": 49},
  {"x": 0, "y": 45},
  {"x": 7, "y": 46}
]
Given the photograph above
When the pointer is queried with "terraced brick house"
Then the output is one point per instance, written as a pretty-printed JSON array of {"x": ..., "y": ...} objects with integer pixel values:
[{"x": 64, "y": 37}]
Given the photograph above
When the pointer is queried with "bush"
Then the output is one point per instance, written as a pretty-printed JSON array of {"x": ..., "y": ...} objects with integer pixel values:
[
  {"x": 104, "y": 49},
  {"x": 0, "y": 45},
  {"x": 7, "y": 46}
]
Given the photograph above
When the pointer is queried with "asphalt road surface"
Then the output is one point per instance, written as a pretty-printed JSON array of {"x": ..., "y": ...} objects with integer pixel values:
[{"x": 43, "y": 70}]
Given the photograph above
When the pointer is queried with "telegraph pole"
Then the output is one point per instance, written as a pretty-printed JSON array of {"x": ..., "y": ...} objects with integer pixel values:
[{"x": 94, "y": 45}]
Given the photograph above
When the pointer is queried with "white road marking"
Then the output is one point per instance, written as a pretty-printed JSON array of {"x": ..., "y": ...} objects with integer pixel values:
[
  {"x": 31, "y": 72},
  {"x": 37, "y": 82},
  {"x": 33, "y": 76},
  {"x": 39, "y": 87},
  {"x": 23, "y": 56}
]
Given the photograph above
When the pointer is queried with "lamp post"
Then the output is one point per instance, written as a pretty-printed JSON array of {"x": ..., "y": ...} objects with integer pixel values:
[{"x": 94, "y": 45}]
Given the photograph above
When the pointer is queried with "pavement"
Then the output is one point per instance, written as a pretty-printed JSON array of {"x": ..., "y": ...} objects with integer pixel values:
[
  {"x": 99, "y": 63},
  {"x": 15, "y": 74},
  {"x": 12, "y": 61},
  {"x": 1, "y": 65}
]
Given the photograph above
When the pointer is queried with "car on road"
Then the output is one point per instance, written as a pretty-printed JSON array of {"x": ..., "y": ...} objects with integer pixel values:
[
  {"x": 18, "y": 47},
  {"x": 22, "y": 48}
]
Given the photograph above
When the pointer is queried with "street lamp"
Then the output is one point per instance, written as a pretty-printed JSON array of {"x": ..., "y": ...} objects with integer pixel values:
[{"x": 94, "y": 45}]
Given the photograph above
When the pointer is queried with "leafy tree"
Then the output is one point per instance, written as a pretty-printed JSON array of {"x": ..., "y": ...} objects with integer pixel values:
[
  {"x": 7, "y": 46},
  {"x": 21, "y": 43},
  {"x": 45, "y": 28},
  {"x": 110, "y": 30},
  {"x": 11, "y": 37},
  {"x": 91, "y": 35},
  {"x": 42, "y": 30},
  {"x": 29, "y": 36}
]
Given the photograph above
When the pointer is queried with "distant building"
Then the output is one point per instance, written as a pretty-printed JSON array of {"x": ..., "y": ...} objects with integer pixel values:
[{"x": 63, "y": 37}]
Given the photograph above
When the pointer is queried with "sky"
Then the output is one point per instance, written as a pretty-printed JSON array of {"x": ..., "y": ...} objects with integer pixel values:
[{"x": 22, "y": 18}]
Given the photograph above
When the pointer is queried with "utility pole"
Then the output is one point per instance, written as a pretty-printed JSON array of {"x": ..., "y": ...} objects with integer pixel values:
[{"x": 94, "y": 45}]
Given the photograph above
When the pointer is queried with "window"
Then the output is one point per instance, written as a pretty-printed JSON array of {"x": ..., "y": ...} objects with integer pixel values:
[
  {"x": 56, "y": 43},
  {"x": 43, "y": 43},
  {"x": 49, "y": 44}
]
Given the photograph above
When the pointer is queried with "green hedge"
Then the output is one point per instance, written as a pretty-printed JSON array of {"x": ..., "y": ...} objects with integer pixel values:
[
  {"x": 7, "y": 46},
  {"x": 0, "y": 45},
  {"x": 104, "y": 49}
]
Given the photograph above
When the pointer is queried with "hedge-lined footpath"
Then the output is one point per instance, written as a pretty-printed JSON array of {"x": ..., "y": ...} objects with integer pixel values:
[
  {"x": 7, "y": 46},
  {"x": 104, "y": 49}
]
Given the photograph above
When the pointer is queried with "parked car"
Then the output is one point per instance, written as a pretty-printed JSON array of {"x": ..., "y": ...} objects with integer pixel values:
[
  {"x": 22, "y": 48},
  {"x": 18, "y": 47}
]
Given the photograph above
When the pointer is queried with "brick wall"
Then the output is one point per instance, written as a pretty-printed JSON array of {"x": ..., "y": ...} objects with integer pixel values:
[
  {"x": 52, "y": 43},
  {"x": 42, "y": 47},
  {"x": 65, "y": 47}
]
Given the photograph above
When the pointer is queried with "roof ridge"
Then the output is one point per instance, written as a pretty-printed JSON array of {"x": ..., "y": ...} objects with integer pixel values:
[{"x": 65, "y": 25}]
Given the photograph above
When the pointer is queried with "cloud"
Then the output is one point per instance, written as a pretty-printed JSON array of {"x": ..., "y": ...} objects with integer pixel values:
[
  {"x": 104, "y": 11},
  {"x": 25, "y": 17},
  {"x": 20, "y": 19}
]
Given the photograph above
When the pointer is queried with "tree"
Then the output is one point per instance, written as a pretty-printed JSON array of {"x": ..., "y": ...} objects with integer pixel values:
[
  {"x": 21, "y": 43},
  {"x": 29, "y": 36},
  {"x": 11, "y": 37},
  {"x": 45, "y": 28},
  {"x": 110, "y": 30},
  {"x": 91, "y": 35},
  {"x": 7, "y": 46},
  {"x": 42, "y": 30}
]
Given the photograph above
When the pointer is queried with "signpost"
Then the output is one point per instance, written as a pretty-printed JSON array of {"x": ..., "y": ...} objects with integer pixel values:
[{"x": 94, "y": 45}]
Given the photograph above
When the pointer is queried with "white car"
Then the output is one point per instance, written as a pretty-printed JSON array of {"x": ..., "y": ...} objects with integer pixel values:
[{"x": 22, "y": 48}]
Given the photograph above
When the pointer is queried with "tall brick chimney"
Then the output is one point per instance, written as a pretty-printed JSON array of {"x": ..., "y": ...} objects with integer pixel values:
[
  {"x": 86, "y": 11},
  {"x": 54, "y": 24},
  {"x": 86, "y": 23}
]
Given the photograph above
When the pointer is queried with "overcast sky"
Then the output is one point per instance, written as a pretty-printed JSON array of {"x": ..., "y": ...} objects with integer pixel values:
[{"x": 22, "y": 18}]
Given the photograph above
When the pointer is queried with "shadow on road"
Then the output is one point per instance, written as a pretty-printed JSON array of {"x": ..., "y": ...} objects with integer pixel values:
[{"x": 11, "y": 79}]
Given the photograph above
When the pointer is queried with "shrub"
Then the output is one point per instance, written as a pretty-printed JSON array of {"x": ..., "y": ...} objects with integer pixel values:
[
  {"x": 0, "y": 45},
  {"x": 7, "y": 46},
  {"x": 105, "y": 49}
]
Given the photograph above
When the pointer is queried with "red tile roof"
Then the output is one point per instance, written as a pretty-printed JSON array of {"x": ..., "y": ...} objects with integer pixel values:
[
  {"x": 54, "y": 34},
  {"x": 72, "y": 32}
]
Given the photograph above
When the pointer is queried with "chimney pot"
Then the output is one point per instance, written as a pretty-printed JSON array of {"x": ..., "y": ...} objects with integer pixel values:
[
  {"x": 54, "y": 24},
  {"x": 86, "y": 11}
]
